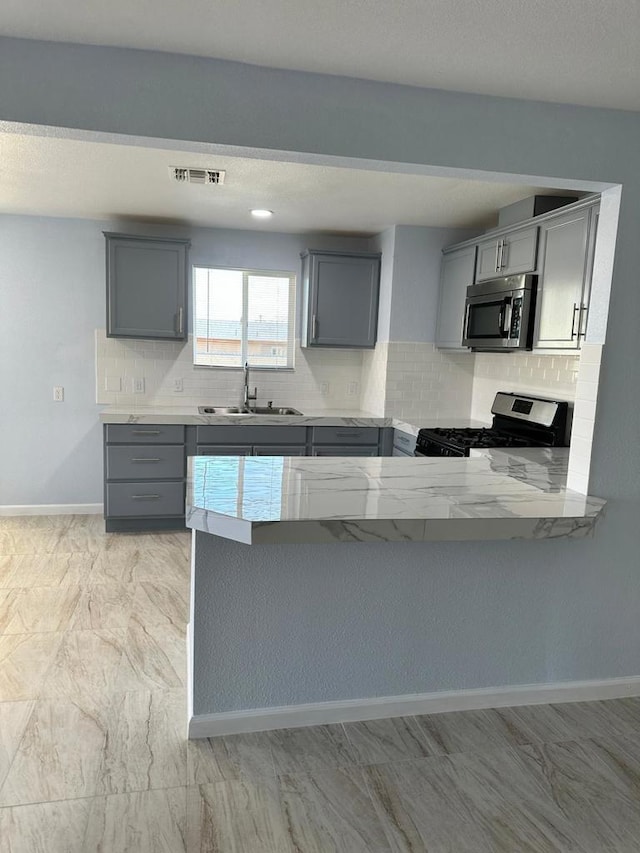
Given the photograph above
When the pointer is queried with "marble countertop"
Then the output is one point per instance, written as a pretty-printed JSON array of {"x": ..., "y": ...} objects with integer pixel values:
[
  {"x": 310, "y": 417},
  {"x": 190, "y": 415},
  {"x": 495, "y": 495}
]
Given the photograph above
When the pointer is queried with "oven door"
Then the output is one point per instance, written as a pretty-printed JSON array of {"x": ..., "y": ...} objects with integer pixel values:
[{"x": 497, "y": 321}]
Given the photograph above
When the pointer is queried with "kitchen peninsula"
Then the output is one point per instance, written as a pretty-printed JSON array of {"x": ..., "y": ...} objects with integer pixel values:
[{"x": 319, "y": 581}]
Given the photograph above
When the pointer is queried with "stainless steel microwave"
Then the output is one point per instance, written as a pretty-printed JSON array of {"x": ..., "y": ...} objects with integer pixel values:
[{"x": 499, "y": 313}]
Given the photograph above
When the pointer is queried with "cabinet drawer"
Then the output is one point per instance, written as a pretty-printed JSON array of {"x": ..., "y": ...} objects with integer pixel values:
[
  {"x": 404, "y": 441},
  {"x": 224, "y": 450},
  {"x": 279, "y": 450},
  {"x": 241, "y": 434},
  {"x": 145, "y": 434},
  {"x": 352, "y": 450},
  {"x": 345, "y": 435},
  {"x": 133, "y": 462},
  {"x": 144, "y": 499}
]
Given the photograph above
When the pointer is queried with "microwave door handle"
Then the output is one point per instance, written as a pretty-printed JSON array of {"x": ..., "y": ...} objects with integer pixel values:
[
  {"x": 465, "y": 327},
  {"x": 507, "y": 318},
  {"x": 504, "y": 321}
]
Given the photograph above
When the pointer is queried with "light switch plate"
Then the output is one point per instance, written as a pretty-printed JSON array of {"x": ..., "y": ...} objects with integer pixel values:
[
  {"x": 58, "y": 394},
  {"x": 138, "y": 384},
  {"x": 353, "y": 388},
  {"x": 324, "y": 388}
]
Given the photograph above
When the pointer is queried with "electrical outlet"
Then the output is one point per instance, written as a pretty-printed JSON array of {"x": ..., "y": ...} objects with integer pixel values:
[
  {"x": 324, "y": 388},
  {"x": 112, "y": 383},
  {"x": 352, "y": 389},
  {"x": 138, "y": 385},
  {"x": 178, "y": 385},
  {"x": 58, "y": 394}
]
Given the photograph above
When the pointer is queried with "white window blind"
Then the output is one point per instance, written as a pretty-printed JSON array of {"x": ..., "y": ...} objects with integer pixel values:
[{"x": 243, "y": 315}]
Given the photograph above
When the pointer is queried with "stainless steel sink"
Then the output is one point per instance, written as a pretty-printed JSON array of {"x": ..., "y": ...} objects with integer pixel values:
[
  {"x": 254, "y": 410},
  {"x": 219, "y": 410},
  {"x": 269, "y": 410}
]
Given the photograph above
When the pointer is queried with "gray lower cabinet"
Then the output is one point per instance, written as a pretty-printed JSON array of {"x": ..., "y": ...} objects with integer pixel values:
[
  {"x": 224, "y": 450},
  {"x": 345, "y": 450},
  {"x": 147, "y": 283},
  {"x": 144, "y": 470},
  {"x": 340, "y": 299},
  {"x": 279, "y": 450},
  {"x": 248, "y": 435},
  {"x": 154, "y": 500},
  {"x": 398, "y": 452},
  {"x": 404, "y": 442},
  {"x": 145, "y": 465},
  {"x": 345, "y": 441},
  {"x": 344, "y": 435}
]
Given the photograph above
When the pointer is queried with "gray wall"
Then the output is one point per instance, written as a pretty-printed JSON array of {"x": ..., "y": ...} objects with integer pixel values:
[
  {"x": 395, "y": 619},
  {"x": 100, "y": 89},
  {"x": 52, "y": 285},
  {"x": 416, "y": 276},
  {"x": 52, "y": 298}
]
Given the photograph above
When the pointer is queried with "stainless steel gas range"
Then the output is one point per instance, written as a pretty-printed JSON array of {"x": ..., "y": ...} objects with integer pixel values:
[{"x": 518, "y": 421}]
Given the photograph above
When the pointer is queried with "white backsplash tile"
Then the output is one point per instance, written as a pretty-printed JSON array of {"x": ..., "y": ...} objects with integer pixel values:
[
  {"x": 160, "y": 363},
  {"x": 552, "y": 376},
  {"x": 415, "y": 382}
]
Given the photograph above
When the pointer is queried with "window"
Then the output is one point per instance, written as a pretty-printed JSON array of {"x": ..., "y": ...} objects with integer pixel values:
[{"x": 243, "y": 315}]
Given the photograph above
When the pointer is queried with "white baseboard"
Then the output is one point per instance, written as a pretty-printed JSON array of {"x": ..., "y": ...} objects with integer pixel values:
[
  {"x": 52, "y": 509},
  {"x": 355, "y": 710}
]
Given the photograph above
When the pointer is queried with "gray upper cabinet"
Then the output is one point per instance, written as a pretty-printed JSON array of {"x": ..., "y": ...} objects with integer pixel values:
[
  {"x": 340, "y": 299},
  {"x": 146, "y": 287},
  {"x": 566, "y": 259},
  {"x": 456, "y": 274},
  {"x": 510, "y": 254}
]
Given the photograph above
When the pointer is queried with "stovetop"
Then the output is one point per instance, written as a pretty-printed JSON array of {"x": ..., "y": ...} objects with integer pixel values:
[
  {"x": 463, "y": 439},
  {"x": 519, "y": 421}
]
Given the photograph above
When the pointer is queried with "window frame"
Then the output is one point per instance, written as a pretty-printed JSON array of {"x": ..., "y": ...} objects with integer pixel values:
[{"x": 290, "y": 343}]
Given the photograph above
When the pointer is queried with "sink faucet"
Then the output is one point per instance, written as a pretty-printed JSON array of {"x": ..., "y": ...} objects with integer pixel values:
[{"x": 247, "y": 396}]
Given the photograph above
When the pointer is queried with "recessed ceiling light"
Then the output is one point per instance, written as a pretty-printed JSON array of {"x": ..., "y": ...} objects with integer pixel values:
[{"x": 259, "y": 213}]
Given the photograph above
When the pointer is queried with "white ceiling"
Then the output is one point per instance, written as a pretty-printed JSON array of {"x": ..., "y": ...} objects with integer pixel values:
[
  {"x": 573, "y": 51},
  {"x": 98, "y": 180}
]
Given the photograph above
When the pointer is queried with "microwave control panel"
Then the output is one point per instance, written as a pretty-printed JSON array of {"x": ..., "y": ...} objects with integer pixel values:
[{"x": 516, "y": 317}]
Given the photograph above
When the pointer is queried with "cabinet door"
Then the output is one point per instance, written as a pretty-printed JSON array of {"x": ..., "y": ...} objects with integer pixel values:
[
  {"x": 488, "y": 259},
  {"x": 511, "y": 254},
  {"x": 279, "y": 450},
  {"x": 560, "y": 307},
  {"x": 146, "y": 288},
  {"x": 343, "y": 304},
  {"x": 519, "y": 252},
  {"x": 456, "y": 274}
]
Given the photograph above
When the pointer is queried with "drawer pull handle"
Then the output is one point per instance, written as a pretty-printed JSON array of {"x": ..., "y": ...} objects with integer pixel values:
[
  {"x": 347, "y": 434},
  {"x": 145, "y": 497},
  {"x": 146, "y": 432},
  {"x": 147, "y": 459}
]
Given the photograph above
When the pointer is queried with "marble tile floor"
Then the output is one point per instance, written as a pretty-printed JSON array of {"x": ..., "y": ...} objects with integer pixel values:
[{"x": 94, "y": 756}]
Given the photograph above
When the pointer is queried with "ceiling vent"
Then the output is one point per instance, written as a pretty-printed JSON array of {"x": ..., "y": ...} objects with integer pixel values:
[{"x": 185, "y": 175}]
